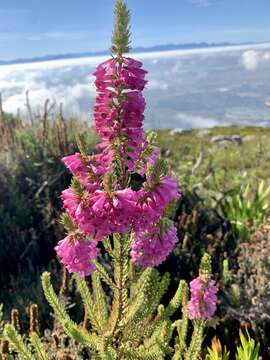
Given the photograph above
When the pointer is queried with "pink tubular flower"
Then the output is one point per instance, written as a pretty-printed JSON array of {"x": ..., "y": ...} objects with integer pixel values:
[
  {"x": 77, "y": 254},
  {"x": 71, "y": 201},
  {"x": 101, "y": 163},
  {"x": 119, "y": 108},
  {"x": 78, "y": 168},
  {"x": 164, "y": 192},
  {"x": 133, "y": 75},
  {"x": 88, "y": 170},
  {"x": 152, "y": 202},
  {"x": 102, "y": 214},
  {"x": 75, "y": 163},
  {"x": 112, "y": 213},
  {"x": 203, "y": 302},
  {"x": 151, "y": 247}
]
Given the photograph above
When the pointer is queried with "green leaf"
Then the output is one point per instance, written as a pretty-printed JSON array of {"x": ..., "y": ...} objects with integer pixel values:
[
  {"x": 104, "y": 275},
  {"x": 71, "y": 328},
  {"x": 38, "y": 346},
  {"x": 247, "y": 349},
  {"x": 100, "y": 301},
  {"x": 17, "y": 343},
  {"x": 88, "y": 303}
]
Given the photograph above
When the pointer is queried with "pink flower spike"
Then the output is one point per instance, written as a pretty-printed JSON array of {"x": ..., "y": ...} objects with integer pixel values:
[
  {"x": 135, "y": 200},
  {"x": 203, "y": 301},
  {"x": 77, "y": 254}
]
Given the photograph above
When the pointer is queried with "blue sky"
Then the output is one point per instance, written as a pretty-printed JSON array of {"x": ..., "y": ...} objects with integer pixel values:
[{"x": 39, "y": 27}]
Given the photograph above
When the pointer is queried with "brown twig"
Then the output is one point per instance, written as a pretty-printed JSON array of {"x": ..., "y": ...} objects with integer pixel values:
[{"x": 28, "y": 107}]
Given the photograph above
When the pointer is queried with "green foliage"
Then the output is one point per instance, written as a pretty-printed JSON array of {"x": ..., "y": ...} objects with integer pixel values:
[
  {"x": 38, "y": 346},
  {"x": 195, "y": 346},
  {"x": 136, "y": 325},
  {"x": 162, "y": 314},
  {"x": 133, "y": 324},
  {"x": 182, "y": 325},
  {"x": 226, "y": 274},
  {"x": 247, "y": 350},
  {"x": 73, "y": 330},
  {"x": 28, "y": 214},
  {"x": 235, "y": 294},
  {"x": 17, "y": 342},
  {"x": 31, "y": 178},
  {"x": 246, "y": 207},
  {"x": 216, "y": 352}
]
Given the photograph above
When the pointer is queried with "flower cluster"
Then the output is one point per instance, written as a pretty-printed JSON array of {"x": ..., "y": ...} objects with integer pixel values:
[
  {"x": 151, "y": 246},
  {"x": 103, "y": 199},
  {"x": 119, "y": 108},
  {"x": 76, "y": 253},
  {"x": 203, "y": 302}
]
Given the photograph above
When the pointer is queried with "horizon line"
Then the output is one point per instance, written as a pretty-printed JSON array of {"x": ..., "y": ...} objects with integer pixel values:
[
  {"x": 138, "y": 49},
  {"x": 93, "y": 60}
]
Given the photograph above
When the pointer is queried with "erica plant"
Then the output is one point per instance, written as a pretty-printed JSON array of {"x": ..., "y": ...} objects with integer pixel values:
[
  {"x": 125, "y": 189},
  {"x": 121, "y": 199}
]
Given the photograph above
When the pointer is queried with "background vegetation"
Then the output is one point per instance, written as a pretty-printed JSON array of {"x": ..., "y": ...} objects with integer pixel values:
[{"x": 224, "y": 174}]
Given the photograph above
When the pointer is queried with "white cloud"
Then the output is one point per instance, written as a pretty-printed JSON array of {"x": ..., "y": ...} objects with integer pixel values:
[
  {"x": 196, "y": 121},
  {"x": 17, "y": 101},
  {"x": 169, "y": 54},
  {"x": 43, "y": 84},
  {"x": 266, "y": 56},
  {"x": 251, "y": 59},
  {"x": 155, "y": 56},
  {"x": 223, "y": 89}
]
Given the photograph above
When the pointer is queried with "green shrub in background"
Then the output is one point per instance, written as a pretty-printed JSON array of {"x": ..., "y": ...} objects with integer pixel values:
[
  {"x": 246, "y": 207},
  {"x": 247, "y": 350},
  {"x": 215, "y": 352},
  {"x": 31, "y": 178}
]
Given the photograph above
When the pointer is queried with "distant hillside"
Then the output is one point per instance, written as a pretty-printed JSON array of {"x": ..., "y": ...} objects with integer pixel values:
[{"x": 135, "y": 50}]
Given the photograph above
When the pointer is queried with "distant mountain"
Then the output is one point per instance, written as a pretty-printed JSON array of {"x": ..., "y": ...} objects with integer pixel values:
[{"x": 135, "y": 50}]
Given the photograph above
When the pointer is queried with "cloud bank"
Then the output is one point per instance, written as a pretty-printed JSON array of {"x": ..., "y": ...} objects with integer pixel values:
[{"x": 192, "y": 88}]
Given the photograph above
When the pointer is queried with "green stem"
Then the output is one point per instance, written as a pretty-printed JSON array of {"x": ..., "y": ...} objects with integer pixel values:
[
  {"x": 196, "y": 341},
  {"x": 120, "y": 283}
]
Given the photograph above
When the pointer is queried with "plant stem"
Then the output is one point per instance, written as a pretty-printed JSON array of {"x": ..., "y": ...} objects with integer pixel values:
[
  {"x": 120, "y": 283},
  {"x": 196, "y": 341}
]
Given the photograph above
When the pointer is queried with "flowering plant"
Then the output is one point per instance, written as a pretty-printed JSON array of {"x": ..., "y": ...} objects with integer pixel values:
[
  {"x": 120, "y": 199},
  {"x": 125, "y": 188}
]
